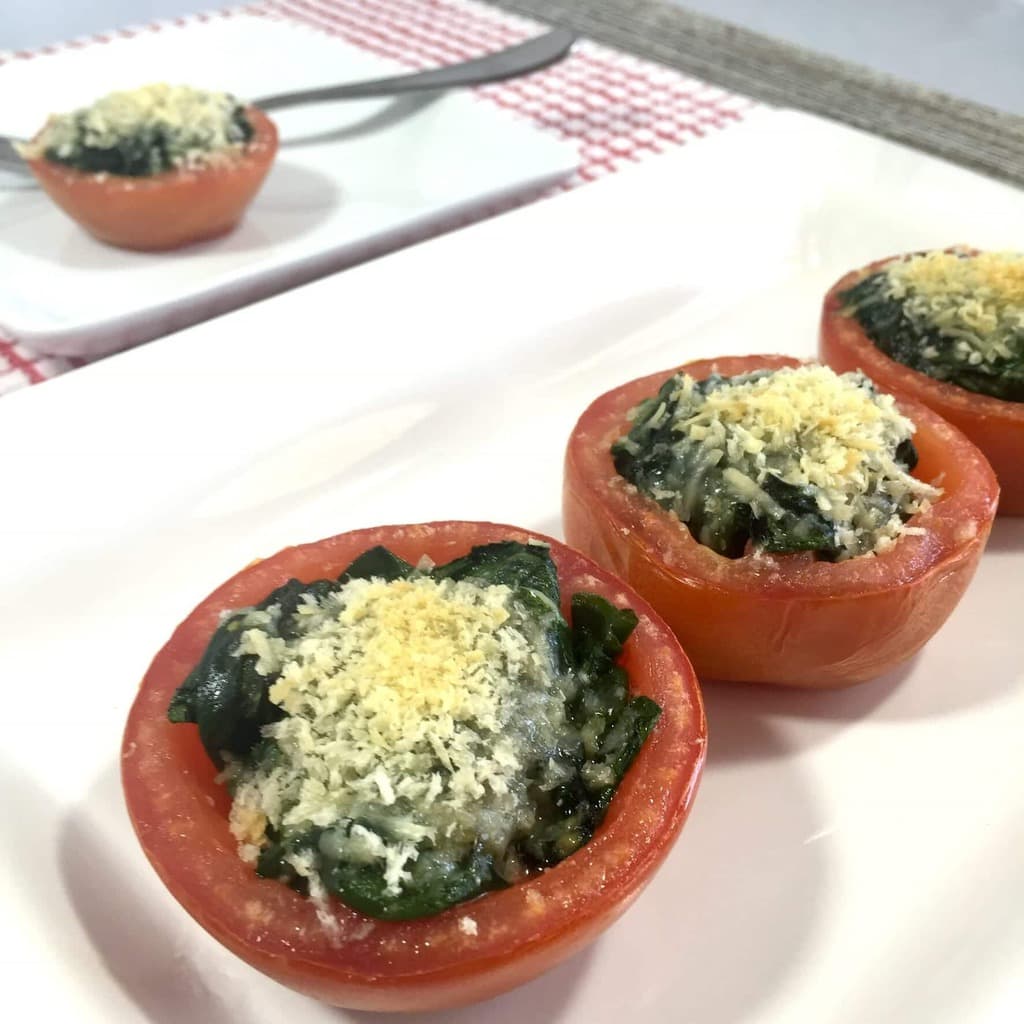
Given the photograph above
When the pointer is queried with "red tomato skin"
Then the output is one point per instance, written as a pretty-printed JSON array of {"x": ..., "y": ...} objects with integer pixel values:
[
  {"x": 994, "y": 425},
  {"x": 180, "y": 814},
  {"x": 783, "y": 619},
  {"x": 163, "y": 211}
]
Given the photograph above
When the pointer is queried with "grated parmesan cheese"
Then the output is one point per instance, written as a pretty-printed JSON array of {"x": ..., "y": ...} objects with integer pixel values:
[
  {"x": 830, "y": 436},
  {"x": 976, "y": 300},
  {"x": 410, "y": 707}
]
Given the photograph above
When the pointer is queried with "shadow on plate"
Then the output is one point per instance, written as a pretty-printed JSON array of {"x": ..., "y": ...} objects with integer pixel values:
[
  {"x": 13, "y": 182},
  {"x": 139, "y": 951},
  {"x": 398, "y": 110},
  {"x": 1007, "y": 535},
  {"x": 735, "y": 704},
  {"x": 293, "y": 202},
  {"x": 735, "y": 910},
  {"x": 544, "y": 999},
  {"x": 28, "y": 843},
  {"x": 947, "y": 676}
]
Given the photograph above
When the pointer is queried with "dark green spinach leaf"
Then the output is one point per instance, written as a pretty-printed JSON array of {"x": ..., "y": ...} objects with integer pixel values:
[
  {"x": 509, "y": 563},
  {"x": 433, "y": 887},
  {"x": 377, "y": 563},
  {"x": 927, "y": 349}
]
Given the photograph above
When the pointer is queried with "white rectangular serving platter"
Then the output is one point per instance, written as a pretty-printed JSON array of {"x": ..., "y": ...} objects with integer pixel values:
[
  {"x": 351, "y": 180},
  {"x": 852, "y": 856}
]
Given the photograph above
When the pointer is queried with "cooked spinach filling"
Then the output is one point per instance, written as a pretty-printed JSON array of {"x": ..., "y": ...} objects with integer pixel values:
[
  {"x": 974, "y": 343},
  {"x": 776, "y": 461},
  {"x": 145, "y": 132},
  {"x": 409, "y": 737}
]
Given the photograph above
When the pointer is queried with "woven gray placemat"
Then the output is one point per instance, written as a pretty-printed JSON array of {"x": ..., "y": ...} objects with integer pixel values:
[{"x": 779, "y": 73}]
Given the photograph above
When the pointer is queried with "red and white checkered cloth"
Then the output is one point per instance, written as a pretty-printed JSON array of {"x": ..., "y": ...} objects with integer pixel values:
[{"x": 618, "y": 109}]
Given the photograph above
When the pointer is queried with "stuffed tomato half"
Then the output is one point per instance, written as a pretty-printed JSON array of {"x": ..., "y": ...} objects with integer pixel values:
[
  {"x": 778, "y": 549},
  {"x": 414, "y": 766},
  {"x": 945, "y": 328},
  {"x": 155, "y": 168}
]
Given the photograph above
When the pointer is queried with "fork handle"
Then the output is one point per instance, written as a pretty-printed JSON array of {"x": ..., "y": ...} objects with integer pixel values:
[{"x": 534, "y": 54}]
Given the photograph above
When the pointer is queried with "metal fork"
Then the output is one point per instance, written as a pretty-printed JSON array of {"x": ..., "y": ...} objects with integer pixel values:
[{"x": 533, "y": 55}]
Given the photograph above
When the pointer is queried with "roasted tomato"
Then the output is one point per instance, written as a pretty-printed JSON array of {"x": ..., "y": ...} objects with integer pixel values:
[
  {"x": 168, "y": 210},
  {"x": 784, "y": 619},
  {"x": 996, "y": 426},
  {"x": 476, "y": 949}
]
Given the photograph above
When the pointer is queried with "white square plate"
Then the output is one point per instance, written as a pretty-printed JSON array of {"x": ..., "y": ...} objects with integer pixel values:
[
  {"x": 351, "y": 180},
  {"x": 852, "y": 856}
]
